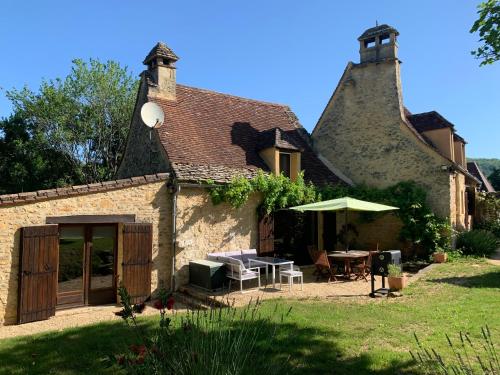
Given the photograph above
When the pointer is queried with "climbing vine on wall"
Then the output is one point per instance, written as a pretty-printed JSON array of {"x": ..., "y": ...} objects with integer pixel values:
[
  {"x": 420, "y": 226},
  {"x": 277, "y": 191}
]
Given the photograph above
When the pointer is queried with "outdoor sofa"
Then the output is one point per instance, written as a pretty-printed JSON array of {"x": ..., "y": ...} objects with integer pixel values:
[{"x": 237, "y": 265}]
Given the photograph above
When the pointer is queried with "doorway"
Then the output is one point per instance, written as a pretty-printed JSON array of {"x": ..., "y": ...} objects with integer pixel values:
[
  {"x": 87, "y": 265},
  {"x": 329, "y": 230}
]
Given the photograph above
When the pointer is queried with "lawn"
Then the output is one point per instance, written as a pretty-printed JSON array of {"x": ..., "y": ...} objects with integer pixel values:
[{"x": 338, "y": 336}]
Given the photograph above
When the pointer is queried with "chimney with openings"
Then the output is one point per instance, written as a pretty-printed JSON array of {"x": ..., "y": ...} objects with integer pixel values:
[
  {"x": 161, "y": 71},
  {"x": 378, "y": 43}
]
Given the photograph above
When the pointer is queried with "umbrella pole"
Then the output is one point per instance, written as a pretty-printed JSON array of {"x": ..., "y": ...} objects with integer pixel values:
[{"x": 346, "y": 232}]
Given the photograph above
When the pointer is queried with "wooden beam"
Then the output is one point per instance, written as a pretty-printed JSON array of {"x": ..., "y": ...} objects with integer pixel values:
[{"x": 90, "y": 219}]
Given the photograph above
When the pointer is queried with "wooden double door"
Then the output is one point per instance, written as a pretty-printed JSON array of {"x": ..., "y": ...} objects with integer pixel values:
[
  {"x": 87, "y": 269},
  {"x": 73, "y": 265}
]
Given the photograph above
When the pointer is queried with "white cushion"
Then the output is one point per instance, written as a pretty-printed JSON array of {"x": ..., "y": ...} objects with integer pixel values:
[
  {"x": 249, "y": 252},
  {"x": 291, "y": 273}
]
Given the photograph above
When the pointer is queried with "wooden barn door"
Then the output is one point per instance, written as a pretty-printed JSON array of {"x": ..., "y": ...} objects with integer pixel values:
[
  {"x": 137, "y": 260},
  {"x": 38, "y": 273},
  {"x": 266, "y": 235}
]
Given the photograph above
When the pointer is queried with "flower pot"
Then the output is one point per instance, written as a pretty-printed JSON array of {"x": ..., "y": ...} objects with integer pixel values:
[
  {"x": 440, "y": 257},
  {"x": 397, "y": 283}
]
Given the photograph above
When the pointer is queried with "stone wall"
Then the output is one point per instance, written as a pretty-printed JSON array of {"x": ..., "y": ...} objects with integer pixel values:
[
  {"x": 203, "y": 228},
  {"x": 383, "y": 230},
  {"x": 143, "y": 155},
  {"x": 363, "y": 132},
  {"x": 150, "y": 202}
]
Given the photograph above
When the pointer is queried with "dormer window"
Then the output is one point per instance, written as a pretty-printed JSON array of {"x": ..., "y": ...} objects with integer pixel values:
[
  {"x": 285, "y": 164},
  {"x": 281, "y": 152}
]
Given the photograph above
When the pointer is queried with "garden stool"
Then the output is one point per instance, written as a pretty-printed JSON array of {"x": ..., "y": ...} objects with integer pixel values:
[{"x": 290, "y": 274}]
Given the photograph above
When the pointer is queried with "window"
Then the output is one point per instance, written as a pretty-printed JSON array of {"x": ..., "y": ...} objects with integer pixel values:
[
  {"x": 385, "y": 39},
  {"x": 285, "y": 164},
  {"x": 370, "y": 43}
]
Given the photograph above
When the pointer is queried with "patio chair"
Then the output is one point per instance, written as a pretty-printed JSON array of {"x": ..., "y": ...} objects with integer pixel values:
[
  {"x": 290, "y": 274},
  {"x": 323, "y": 265},
  {"x": 237, "y": 271},
  {"x": 362, "y": 269},
  {"x": 312, "y": 249}
]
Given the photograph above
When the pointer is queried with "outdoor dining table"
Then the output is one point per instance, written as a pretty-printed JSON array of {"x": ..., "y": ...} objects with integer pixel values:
[
  {"x": 273, "y": 262},
  {"x": 348, "y": 257}
]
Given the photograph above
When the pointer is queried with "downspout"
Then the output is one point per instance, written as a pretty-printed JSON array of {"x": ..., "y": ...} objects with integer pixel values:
[{"x": 176, "y": 189}]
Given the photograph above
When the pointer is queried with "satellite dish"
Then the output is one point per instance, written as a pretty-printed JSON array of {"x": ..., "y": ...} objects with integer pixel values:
[{"x": 152, "y": 115}]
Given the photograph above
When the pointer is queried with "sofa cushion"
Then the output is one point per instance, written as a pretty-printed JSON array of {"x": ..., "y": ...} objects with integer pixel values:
[{"x": 249, "y": 252}]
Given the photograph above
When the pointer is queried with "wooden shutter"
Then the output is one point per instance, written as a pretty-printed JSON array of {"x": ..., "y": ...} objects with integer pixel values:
[
  {"x": 137, "y": 260},
  {"x": 266, "y": 235},
  {"x": 38, "y": 263}
]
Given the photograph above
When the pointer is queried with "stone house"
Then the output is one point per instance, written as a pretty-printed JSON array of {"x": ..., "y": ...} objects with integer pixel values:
[
  {"x": 367, "y": 132},
  {"x": 72, "y": 246}
]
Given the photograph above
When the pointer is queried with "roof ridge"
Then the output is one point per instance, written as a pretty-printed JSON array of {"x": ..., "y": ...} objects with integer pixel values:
[{"x": 213, "y": 92}]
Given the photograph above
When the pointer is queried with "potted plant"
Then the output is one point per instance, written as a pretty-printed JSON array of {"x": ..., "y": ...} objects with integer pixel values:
[
  {"x": 396, "y": 278},
  {"x": 439, "y": 256}
]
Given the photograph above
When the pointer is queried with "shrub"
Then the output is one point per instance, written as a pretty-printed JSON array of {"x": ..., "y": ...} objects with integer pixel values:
[
  {"x": 222, "y": 340},
  {"x": 491, "y": 226},
  {"x": 477, "y": 242},
  {"x": 468, "y": 357}
]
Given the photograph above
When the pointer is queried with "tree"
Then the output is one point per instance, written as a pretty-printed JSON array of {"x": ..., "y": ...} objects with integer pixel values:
[
  {"x": 488, "y": 26},
  {"x": 28, "y": 162},
  {"x": 494, "y": 178},
  {"x": 84, "y": 117}
]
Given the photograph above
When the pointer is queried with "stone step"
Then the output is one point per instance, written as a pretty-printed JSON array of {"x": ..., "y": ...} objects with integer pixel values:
[
  {"x": 189, "y": 302},
  {"x": 202, "y": 297}
]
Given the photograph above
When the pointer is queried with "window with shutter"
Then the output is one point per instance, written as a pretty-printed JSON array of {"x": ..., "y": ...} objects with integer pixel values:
[
  {"x": 137, "y": 260},
  {"x": 38, "y": 261}
]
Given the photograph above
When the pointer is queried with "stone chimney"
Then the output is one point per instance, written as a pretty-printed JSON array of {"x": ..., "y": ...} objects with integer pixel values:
[
  {"x": 161, "y": 71},
  {"x": 378, "y": 43}
]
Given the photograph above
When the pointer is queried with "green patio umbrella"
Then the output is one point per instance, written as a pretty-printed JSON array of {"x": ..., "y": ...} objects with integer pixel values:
[{"x": 346, "y": 204}]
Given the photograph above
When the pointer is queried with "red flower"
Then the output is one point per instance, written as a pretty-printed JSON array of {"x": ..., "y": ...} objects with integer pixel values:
[
  {"x": 138, "y": 349},
  {"x": 158, "y": 304},
  {"x": 170, "y": 303}
]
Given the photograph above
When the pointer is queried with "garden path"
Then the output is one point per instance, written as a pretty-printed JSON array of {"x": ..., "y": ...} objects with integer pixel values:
[{"x": 495, "y": 258}]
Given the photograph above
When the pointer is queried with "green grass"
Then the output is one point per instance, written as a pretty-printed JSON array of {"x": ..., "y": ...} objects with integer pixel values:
[{"x": 335, "y": 336}]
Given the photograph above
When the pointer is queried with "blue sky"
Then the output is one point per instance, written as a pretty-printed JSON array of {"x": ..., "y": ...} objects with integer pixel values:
[{"x": 291, "y": 52}]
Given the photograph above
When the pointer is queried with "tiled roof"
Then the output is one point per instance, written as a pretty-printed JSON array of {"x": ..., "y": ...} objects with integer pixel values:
[
  {"x": 474, "y": 169},
  {"x": 18, "y": 198},
  {"x": 278, "y": 138},
  {"x": 456, "y": 137},
  {"x": 160, "y": 50},
  {"x": 377, "y": 30},
  {"x": 429, "y": 121},
  {"x": 202, "y": 172},
  {"x": 214, "y": 130}
]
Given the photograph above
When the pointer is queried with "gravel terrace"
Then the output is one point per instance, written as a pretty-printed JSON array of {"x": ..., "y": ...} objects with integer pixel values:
[{"x": 335, "y": 291}]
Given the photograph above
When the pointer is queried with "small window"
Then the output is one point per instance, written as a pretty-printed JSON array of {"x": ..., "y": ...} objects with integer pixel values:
[
  {"x": 384, "y": 39},
  {"x": 285, "y": 164},
  {"x": 165, "y": 61},
  {"x": 370, "y": 43}
]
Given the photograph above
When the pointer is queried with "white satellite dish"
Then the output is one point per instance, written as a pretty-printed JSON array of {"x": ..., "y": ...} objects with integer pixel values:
[{"x": 152, "y": 115}]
